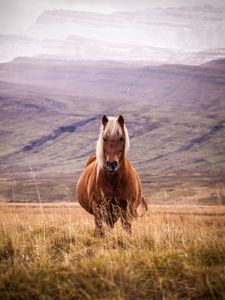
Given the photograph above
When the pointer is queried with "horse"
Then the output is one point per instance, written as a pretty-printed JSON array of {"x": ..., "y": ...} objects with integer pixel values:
[{"x": 109, "y": 187}]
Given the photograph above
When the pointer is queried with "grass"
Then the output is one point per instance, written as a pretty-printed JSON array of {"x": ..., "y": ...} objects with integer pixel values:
[{"x": 49, "y": 252}]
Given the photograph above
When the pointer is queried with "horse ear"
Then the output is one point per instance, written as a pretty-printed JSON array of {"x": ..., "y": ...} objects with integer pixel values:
[
  {"x": 104, "y": 120},
  {"x": 121, "y": 120}
]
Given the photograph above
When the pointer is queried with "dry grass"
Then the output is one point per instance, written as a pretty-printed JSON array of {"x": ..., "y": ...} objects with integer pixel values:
[{"x": 49, "y": 252}]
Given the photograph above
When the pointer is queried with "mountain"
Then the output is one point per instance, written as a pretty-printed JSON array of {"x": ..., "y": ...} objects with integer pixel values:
[
  {"x": 185, "y": 35},
  {"x": 184, "y": 28},
  {"x": 51, "y": 111}
]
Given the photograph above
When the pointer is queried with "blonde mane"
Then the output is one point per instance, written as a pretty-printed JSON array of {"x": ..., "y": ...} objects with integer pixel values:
[{"x": 112, "y": 128}]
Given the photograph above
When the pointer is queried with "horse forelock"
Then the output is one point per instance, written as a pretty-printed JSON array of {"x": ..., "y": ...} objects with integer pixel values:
[{"x": 111, "y": 129}]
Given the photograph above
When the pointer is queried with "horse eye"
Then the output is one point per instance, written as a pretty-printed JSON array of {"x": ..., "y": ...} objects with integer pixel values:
[
  {"x": 121, "y": 139},
  {"x": 104, "y": 139}
]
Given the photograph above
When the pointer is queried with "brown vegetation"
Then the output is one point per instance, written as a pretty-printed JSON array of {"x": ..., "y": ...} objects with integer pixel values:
[{"x": 175, "y": 252}]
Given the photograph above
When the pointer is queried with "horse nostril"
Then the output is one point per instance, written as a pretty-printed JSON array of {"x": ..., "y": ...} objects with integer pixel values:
[{"x": 112, "y": 164}]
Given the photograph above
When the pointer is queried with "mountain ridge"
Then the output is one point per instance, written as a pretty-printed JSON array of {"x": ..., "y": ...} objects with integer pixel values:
[
  {"x": 175, "y": 115},
  {"x": 165, "y": 35}
]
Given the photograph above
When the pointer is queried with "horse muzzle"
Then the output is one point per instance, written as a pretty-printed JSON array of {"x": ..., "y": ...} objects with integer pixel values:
[{"x": 112, "y": 166}]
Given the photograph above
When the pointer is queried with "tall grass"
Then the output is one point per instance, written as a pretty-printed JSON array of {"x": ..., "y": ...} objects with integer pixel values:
[{"x": 51, "y": 253}]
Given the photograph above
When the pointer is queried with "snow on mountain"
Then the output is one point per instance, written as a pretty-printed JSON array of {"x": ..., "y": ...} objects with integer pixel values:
[
  {"x": 179, "y": 28},
  {"x": 188, "y": 34}
]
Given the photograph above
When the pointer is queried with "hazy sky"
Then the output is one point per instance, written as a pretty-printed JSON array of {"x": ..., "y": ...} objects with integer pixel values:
[{"x": 16, "y": 15}]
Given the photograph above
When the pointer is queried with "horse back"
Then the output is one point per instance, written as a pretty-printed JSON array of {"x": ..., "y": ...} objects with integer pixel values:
[
  {"x": 136, "y": 188},
  {"x": 90, "y": 160},
  {"x": 85, "y": 184}
]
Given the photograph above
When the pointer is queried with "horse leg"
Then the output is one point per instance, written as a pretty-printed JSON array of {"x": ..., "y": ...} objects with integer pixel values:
[
  {"x": 110, "y": 220},
  {"x": 98, "y": 215},
  {"x": 125, "y": 216},
  {"x": 99, "y": 230},
  {"x": 113, "y": 214},
  {"x": 126, "y": 222}
]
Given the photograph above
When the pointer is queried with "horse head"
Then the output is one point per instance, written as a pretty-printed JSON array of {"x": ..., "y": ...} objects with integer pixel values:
[{"x": 113, "y": 143}]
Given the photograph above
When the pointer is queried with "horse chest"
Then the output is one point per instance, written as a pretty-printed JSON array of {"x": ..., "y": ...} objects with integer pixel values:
[
  {"x": 112, "y": 187},
  {"x": 109, "y": 193},
  {"x": 112, "y": 190}
]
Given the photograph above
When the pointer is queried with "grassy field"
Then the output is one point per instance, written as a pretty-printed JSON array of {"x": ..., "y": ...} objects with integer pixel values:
[{"x": 49, "y": 252}]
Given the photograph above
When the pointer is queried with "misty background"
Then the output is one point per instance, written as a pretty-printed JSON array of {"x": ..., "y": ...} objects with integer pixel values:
[{"x": 187, "y": 32}]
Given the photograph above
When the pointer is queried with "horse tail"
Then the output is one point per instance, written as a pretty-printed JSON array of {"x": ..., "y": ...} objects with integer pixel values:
[{"x": 142, "y": 207}]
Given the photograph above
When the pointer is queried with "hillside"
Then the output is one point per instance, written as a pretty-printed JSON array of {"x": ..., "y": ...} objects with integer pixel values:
[{"x": 51, "y": 110}]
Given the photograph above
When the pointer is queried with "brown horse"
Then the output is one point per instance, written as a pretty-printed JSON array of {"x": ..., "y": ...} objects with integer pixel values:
[{"x": 109, "y": 187}]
